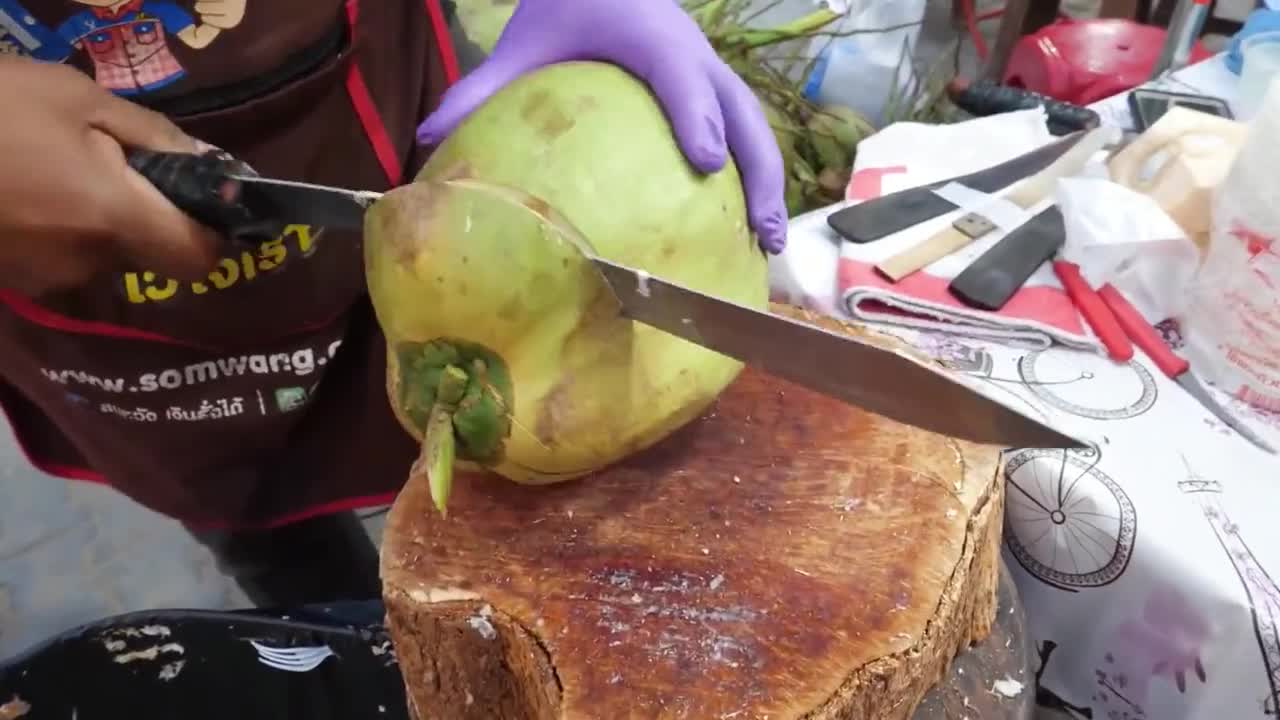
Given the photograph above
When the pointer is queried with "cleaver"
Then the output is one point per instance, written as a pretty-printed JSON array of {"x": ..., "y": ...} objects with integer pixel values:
[{"x": 894, "y": 384}]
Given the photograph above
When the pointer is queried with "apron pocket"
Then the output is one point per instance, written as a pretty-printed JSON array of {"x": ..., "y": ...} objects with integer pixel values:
[{"x": 258, "y": 111}]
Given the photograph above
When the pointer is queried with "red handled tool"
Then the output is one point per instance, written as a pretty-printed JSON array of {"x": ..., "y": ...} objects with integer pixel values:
[
  {"x": 1144, "y": 335},
  {"x": 1095, "y": 311},
  {"x": 1119, "y": 326},
  {"x": 1176, "y": 368}
]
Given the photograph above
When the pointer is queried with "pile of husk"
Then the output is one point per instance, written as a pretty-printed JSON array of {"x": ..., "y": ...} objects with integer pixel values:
[{"x": 817, "y": 143}]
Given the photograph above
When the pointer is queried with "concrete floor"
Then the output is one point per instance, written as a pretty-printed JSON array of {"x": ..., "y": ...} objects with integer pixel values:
[{"x": 74, "y": 552}]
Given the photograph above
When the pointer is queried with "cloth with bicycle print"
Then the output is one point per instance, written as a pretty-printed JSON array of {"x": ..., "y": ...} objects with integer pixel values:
[{"x": 1147, "y": 564}]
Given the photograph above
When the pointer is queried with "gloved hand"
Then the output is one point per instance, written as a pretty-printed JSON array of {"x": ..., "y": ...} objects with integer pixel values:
[{"x": 706, "y": 103}]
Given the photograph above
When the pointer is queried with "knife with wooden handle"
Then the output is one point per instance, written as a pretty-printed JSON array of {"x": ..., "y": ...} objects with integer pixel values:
[
  {"x": 974, "y": 225},
  {"x": 880, "y": 217}
]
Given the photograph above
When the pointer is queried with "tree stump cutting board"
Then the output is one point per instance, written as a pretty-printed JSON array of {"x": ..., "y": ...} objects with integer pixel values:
[{"x": 786, "y": 556}]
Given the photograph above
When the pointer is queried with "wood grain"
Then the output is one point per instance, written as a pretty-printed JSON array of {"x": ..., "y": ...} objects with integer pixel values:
[
  {"x": 923, "y": 254},
  {"x": 785, "y": 556}
]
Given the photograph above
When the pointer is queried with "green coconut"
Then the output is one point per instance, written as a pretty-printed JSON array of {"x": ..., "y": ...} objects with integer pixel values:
[
  {"x": 786, "y": 134},
  {"x": 836, "y": 131},
  {"x": 506, "y": 347},
  {"x": 482, "y": 21}
]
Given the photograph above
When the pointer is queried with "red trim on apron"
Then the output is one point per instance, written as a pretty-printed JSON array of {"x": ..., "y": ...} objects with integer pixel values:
[
  {"x": 31, "y": 312},
  {"x": 329, "y": 508},
  {"x": 367, "y": 111},
  {"x": 384, "y": 149},
  {"x": 362, "y": 101},
  {"x": 80, "y": 474},
  {"x": 444, "y": 42},
  {"x": 24, "y": 308},
  {"x": 66, "y": 472}
]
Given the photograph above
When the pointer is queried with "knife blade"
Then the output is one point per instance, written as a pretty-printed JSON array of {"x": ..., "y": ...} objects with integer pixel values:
[
  {"x": 973, "y": 225},
  {"x": 893, "y": 384},
  {"x": 230, "y": 198},
  {"x": 322, "y": 205}
]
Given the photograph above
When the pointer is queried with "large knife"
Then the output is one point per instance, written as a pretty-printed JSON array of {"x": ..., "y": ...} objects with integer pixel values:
[
  {"x": 893, "y": 384},
  {"x": 974, "y": 225}
]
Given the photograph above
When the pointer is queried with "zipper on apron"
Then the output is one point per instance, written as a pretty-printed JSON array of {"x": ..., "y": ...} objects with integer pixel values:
[{"x": 297, "y": 66}]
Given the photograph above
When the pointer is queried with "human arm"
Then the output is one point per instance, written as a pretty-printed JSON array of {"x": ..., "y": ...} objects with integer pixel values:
[
  {"x": 72, "y": 208},
  {"x": 711, "y": 110}
]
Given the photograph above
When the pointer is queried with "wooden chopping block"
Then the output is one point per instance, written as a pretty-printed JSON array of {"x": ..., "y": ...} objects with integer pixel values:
[{"x": 785, "y": 556}]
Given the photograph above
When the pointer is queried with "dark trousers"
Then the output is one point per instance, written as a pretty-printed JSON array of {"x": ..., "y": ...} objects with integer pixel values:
[{"x": 321, "y": 560}]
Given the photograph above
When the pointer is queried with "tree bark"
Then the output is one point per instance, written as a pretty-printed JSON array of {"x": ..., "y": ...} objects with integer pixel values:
[{"x": 785, "y": 556}]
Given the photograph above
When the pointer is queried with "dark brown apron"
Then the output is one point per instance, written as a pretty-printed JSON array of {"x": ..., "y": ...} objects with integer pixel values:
[{"x": 254, "y": 398}]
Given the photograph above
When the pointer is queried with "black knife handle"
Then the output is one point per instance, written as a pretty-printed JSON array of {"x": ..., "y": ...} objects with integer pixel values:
[
  {"x": 996, "y": 275},
  {"x": 986, "y": 97},
  {"x": 202, "y": 186},
  {"x": 883, "y": 216}
]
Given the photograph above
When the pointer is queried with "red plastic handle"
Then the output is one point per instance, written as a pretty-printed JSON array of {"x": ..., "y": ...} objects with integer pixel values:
[
  {"x": 1094, "y": 310},
  {"x": 1144, "y": 335}
]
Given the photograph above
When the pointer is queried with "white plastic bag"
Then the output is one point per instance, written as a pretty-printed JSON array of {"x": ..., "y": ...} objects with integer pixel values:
[
  {"x": 1233, "y": 319},
  {"x": 860, "y": 71},
  {"x": 1123, "y": 238}
]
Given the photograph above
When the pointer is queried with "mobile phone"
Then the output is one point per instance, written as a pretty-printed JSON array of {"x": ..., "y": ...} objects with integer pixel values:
[{"x": 1148, "y": 105}]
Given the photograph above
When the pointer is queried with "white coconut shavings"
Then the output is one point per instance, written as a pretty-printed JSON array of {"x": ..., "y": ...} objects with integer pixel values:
[{"x": 1007, "y": 687}]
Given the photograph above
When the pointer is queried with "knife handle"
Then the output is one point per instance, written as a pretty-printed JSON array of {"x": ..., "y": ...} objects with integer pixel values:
[
  {"x": 986, "y": 97},
  {"x": 923, "y": 254},
  {"x": 1142, "y": 333},
  {"x": 881, "y": 217},
  {"x": 989, "y": 282},
  {"x": 203, "y": 187},
  {"x": 1095, "y": 310}
]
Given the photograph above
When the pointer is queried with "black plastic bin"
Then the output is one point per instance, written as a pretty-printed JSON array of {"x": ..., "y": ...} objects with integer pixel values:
[
  {"x": 191, "y": 665},
  {"x": 77, "y": 676}
]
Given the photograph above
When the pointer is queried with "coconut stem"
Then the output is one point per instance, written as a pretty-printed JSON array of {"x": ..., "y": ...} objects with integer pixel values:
[
  {"x": 709, "y": 13},
  {"x": 798, "y": 28},
  {"x": 439, "y": 446}
]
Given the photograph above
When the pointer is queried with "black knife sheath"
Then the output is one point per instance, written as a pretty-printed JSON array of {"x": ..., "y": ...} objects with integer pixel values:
[
  {"x": 997, "y": 274},
  {"x": 880, "y": 217}
]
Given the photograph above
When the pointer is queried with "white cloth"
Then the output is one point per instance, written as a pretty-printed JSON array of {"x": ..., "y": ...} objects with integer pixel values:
[
  {"x": 1156, "y": 589},
  {"x": 1148, "y": 568}
]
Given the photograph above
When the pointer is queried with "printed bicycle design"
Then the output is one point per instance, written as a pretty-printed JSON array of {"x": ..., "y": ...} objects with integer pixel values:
[
  {"x": 1087, "y": 385},
  {"x": 1066, "y": 522}
]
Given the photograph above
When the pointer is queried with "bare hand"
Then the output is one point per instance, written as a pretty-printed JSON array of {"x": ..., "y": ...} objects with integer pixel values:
[{"x": 72, "y": 208}]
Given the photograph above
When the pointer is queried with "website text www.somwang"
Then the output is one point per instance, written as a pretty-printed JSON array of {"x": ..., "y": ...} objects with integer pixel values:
[{"x": 300, "y": 363}]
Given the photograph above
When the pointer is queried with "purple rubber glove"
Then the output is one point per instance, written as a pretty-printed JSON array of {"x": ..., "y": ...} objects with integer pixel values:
[{"x": 656, "y": 41}]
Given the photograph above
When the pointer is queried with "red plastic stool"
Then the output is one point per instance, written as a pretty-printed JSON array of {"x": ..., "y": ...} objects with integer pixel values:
[{"x": 1083, "y": 61}]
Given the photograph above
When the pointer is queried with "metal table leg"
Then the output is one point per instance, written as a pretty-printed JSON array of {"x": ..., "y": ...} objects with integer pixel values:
[{"x": 1021, "y": 17}]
